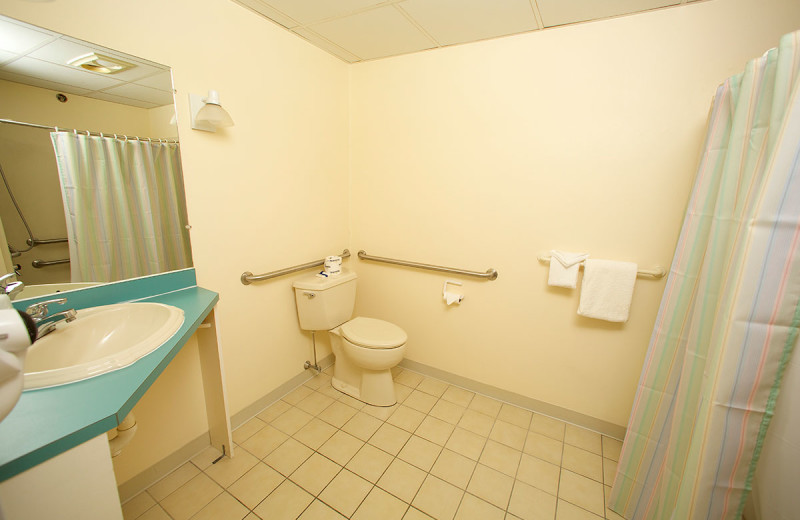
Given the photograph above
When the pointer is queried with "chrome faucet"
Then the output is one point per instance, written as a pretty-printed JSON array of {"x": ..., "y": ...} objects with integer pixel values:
[
  {"x": 8, "y": 287},
  {"x": 45, "y": 324}
]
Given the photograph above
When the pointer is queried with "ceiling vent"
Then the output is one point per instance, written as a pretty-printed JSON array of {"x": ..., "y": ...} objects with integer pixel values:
[{"x": 100, "y": 63}]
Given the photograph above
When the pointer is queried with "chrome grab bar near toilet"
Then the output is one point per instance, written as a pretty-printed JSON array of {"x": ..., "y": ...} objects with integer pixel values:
[
  {"x": 490, "y": 274},
  {"x": 247, "y": 277}
]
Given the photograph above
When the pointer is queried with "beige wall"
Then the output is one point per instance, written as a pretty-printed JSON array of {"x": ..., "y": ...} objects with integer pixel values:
[
  {"x": 268, "y": 193},
  {"x": 581, "y": 138}
]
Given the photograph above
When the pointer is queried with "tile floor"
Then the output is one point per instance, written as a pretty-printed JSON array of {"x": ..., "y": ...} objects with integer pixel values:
[{"x": 442, "y": 452}]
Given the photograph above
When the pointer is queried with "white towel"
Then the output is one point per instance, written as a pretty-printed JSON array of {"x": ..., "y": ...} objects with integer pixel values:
[
  {"x": 607, "y": 290},
  {"x": 564, "y": 268}
]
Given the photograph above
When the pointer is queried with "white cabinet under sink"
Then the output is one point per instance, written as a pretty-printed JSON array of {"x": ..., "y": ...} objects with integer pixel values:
[{"x": 78, "y": 484}]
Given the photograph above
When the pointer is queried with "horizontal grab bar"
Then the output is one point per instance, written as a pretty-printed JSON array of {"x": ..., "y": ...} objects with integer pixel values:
[
  {"x": 39, "y": 242},
  {"x": 248, "y": 277},
  {"x": 38, "y": 264},
  {"x": 490, "y": 274},
  {"x": 657, "y": 272}
]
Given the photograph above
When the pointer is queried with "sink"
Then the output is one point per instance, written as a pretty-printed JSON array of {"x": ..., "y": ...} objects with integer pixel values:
[{"x": 100, "y": 340}]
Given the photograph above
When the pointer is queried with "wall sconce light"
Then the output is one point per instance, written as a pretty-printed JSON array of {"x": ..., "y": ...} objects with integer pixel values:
[{"x": 207, "y": 113}]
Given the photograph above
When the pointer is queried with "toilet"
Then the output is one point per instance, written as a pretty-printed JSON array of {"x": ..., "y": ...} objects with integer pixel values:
[{"x": 365, "y": 349}]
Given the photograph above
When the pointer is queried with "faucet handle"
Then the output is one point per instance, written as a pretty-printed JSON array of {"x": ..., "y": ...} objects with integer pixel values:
[
  {"x": 39, "y": 310},
  {"x": 3, "y": 282}
]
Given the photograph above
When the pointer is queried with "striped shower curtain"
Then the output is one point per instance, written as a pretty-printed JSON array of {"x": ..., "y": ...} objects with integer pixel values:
[
  {"x": 124, "y": 205},
  {"x": 730, "y": 312}
]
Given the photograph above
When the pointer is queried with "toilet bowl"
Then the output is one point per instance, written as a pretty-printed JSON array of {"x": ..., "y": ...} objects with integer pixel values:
[{"x": 366, "y": 349}]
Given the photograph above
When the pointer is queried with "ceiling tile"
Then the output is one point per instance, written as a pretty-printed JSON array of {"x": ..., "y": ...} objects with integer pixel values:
[
  {"x": 459, "y": 21},
  {"x": 60, "y": 74},
  {"x": 19, "y": 38},
  {"x": 161, "y": 81},
  {"x": 60, "y": 51},
  {"x": 121, "y": 100},
  {"x": 376, "y": 33},
  {"x": 135, "y": 91},
  {"x": 7, "y": 55},
  {"x": 561, "y": 12},
  {"x": 310, "y": 11},
  {"x": 325, "y": 45},
  {"x": 43, "y": 83},
  {"x": 270, "y": 12}
]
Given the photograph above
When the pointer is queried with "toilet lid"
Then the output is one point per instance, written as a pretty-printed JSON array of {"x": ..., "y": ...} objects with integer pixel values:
[{"x": 372, "y": 333}]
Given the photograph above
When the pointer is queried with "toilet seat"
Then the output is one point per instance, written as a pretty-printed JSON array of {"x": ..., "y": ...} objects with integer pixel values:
[{"x": 372, "y": 333}]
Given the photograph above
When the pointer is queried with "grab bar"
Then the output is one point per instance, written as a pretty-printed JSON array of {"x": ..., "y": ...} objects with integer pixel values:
[
  {"x": 657, "y": 272},
  {"x": 39, "y": 242},
  {"x": 490, "y": 274},
  {"x": 247, "y": 277},
  {"x": 38, "y": 264}
]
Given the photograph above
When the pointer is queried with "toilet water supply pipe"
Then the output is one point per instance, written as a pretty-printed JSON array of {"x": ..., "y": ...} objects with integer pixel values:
[{"x": 308, "y": 364}]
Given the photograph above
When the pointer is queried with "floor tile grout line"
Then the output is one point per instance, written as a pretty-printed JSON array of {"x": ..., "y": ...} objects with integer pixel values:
[{"x": 425, "y": 414}]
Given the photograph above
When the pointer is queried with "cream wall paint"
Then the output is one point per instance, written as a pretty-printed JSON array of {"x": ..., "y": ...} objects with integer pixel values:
[
  {"x": 581, "y": 138},
  {"x": 441, "y": 162},
  {"x": 268, "y": 193}
]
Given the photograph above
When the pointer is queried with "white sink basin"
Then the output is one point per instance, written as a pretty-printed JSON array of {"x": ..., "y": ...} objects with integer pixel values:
[{"x": 100, "y": 340}]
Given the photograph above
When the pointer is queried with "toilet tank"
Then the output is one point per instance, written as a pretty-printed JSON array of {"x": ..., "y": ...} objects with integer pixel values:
[{"x": 325, "y": 303}]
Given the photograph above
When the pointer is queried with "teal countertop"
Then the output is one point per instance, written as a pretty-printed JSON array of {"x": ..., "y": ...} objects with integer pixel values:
[{"x": 49, "y": 421}]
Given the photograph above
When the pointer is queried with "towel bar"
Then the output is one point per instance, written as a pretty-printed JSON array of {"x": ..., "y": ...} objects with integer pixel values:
[
  {"x": 490, "y": 274},
  {"x": 247, "y": 277},
  {"x": 656, "y": 272}
]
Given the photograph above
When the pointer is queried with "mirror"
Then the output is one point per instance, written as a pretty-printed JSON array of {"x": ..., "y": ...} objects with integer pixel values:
[{"x": 51, "y": 81}]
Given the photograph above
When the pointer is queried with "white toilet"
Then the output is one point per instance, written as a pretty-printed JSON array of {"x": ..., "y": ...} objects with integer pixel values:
[{"x": 366, "y": 349}]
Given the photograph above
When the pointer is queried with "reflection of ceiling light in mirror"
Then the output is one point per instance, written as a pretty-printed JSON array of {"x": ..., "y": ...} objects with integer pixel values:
[{"x": 99, "y": 63}]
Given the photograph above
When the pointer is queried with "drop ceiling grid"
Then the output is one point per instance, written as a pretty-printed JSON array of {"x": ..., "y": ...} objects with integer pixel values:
[
  {"x": 39, "y": 57},
  {"x": 340, "y": 28}
]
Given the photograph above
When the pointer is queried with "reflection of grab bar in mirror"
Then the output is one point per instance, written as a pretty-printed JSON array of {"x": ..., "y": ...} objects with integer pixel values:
[
  {"x": 37, "y": 241},
  {"x": 38, "y": 264}
]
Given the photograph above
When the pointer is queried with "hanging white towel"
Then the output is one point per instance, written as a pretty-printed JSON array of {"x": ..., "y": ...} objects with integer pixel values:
[
  {"x": 564, "y": 268},
  {"x": 607, "y": 290}
]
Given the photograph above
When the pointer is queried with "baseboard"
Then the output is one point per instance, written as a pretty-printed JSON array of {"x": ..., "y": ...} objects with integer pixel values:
[
  {"x": 164, "y": 467},
  {"x": 254, "y": 409},
  {"x": 135, "y": 485},
  {"x": 556, "y": 412},
  {"x": 168, "y": 464}
]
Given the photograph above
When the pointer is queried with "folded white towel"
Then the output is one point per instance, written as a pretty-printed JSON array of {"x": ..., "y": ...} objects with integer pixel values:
[
  {"x": 607, "y": 290},
  {"x": 564, "y": 268}
]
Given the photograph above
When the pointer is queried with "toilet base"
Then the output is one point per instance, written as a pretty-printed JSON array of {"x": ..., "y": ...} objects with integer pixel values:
[{"x": 377, "y": 387}]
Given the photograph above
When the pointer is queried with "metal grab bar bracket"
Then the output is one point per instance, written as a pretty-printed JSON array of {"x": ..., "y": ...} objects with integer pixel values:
[
  {"x": 247, "y": 277},
  {"x": 490, "y": 274}
]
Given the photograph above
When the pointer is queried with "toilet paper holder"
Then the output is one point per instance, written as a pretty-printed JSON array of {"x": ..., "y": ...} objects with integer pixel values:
[{"x": 449, "y": 297}]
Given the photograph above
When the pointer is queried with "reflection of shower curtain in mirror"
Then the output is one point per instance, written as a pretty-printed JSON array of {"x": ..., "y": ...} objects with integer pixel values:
[{"x": 124, "y": 204}]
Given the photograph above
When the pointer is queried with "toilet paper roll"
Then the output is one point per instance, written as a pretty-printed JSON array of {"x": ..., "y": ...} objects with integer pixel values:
[
  {"x": 452, "y": 298},
  {"x": 333, "y": 265}
]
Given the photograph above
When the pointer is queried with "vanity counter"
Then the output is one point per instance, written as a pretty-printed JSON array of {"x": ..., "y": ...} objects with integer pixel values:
[{"x": 49, "y": 421}]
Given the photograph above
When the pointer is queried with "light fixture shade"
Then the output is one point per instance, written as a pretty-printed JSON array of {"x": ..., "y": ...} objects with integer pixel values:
[
  {"x": 207, "y": 113},
  {"x": 214, "y": 115}
]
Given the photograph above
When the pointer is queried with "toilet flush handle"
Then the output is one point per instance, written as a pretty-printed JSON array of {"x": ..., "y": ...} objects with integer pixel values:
[{"x": 309, "y": 294}]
